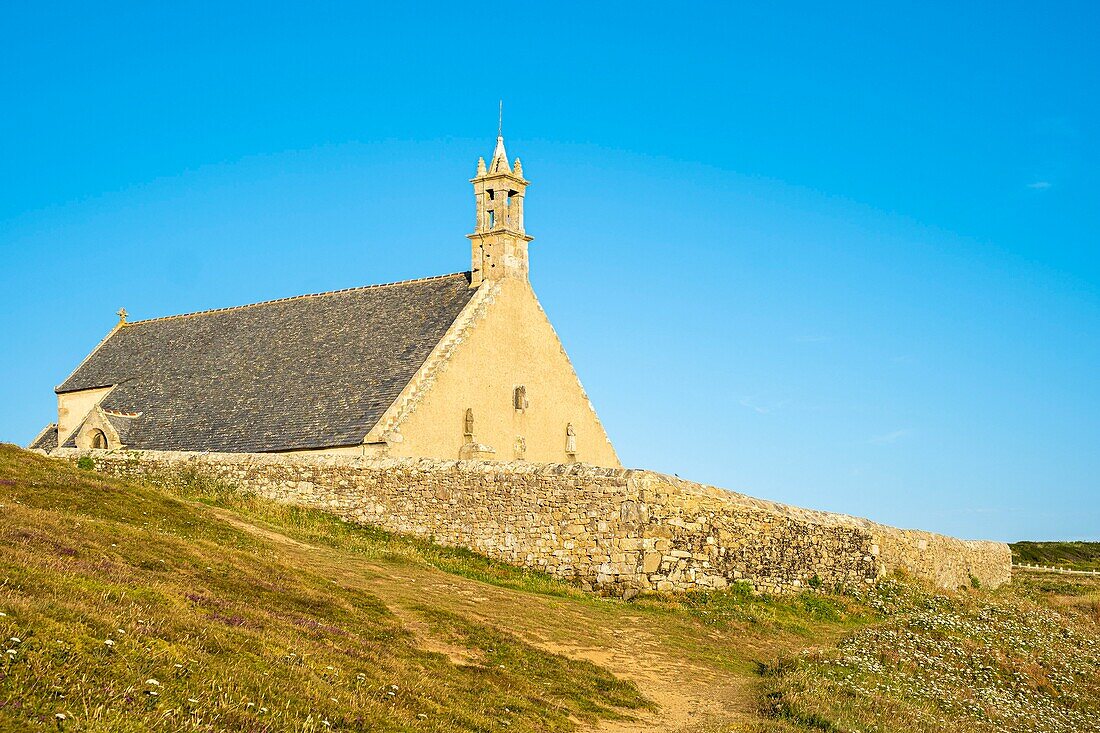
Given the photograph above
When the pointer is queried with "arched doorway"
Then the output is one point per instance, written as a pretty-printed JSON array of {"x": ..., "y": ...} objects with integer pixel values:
[{"x": 99, "y": 439}]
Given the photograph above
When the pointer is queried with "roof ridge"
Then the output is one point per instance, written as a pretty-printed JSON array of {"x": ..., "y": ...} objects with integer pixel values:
[{"x": 289, "y": 298}]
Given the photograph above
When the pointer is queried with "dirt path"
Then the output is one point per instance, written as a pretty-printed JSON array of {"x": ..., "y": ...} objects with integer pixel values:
[{"x": 668, "y": 664}]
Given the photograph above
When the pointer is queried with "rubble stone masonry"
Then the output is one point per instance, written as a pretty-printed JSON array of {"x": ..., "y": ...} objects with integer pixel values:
[{"x": 613, "y": 530}]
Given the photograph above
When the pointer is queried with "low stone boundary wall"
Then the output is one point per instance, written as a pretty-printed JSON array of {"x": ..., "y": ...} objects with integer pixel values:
[
  {"x": 614, "y": 530},
  {"x": 1053, "y": 569}
]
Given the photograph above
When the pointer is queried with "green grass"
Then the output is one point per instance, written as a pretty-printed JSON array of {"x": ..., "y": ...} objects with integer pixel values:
[
  {"x": 1073, "y": 555},
  {"x": 128, "y": 610},
  {"x": 1023, "y": 658},
  {"x": 242, "y": 614}
]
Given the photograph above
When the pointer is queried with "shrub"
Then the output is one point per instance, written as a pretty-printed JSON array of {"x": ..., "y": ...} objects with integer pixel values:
[{"x": 86, "y": 463}]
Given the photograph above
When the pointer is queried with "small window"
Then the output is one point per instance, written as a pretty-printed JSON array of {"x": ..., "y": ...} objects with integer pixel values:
[
  {"x": 519, "y": 398},
  {"x": 99, "y": 439},
  {"x": 492, "y": 219}
]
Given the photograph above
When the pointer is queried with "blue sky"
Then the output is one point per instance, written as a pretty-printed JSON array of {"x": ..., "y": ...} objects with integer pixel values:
[{"x": 840, "y": 256}]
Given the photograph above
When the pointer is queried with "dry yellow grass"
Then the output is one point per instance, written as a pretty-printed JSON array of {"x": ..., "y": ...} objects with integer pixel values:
[{"x": 261, "y": 617}]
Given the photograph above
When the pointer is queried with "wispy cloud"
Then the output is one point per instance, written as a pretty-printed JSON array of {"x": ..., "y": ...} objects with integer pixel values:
[
  {"x": 763, "y": 409},
  {"x": 1039, "y": 185},
  {"x": 891, "y": 437}
]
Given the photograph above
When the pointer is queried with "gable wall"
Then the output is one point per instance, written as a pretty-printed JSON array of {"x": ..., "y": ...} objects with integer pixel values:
[
  {"x": 510, "y": 343},
  {"x": 73, "y": 407}
]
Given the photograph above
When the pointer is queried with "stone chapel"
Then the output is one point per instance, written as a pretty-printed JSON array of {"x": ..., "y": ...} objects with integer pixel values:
[{"x": 461, "y": 366}]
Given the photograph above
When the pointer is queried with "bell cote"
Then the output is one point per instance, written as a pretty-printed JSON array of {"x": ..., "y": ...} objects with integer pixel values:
[{"x": 498, "y": 244}]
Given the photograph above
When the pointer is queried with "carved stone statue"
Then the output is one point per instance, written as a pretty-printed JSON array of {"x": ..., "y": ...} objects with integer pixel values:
[
  {"x": 469, "y": 429},
  {"x": 570, "y": 439}
]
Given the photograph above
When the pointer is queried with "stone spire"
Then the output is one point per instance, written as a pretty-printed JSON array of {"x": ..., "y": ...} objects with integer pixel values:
[{"x": 500, "y": 158}]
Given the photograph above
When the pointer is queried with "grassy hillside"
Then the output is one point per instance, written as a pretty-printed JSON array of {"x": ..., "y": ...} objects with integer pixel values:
[
  {"x": 190, "y": 606},
  {"x": 127, "y": 609},
  {"x": 1074, "y": 555},
  {"x": 1022, "y": 659}
]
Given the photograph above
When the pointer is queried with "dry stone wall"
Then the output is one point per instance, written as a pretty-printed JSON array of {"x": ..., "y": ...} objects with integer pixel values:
[{"x": 613, "y": 530}]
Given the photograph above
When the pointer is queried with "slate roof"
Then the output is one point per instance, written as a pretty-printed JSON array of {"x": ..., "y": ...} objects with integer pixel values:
[
  {"x": 315, "y": 371},
  {"x": 122, "y": 425},
  {"x": 45, "y": 440},
  {"x": 70, "y": 442}
]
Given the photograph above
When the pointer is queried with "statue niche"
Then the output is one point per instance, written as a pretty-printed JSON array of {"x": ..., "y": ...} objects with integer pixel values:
[{"x": 471, "y": 449}]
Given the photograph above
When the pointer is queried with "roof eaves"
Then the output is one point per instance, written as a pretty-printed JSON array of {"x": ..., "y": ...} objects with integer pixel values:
[
  {"x": 58, "y": 390},
  {"x": 326, "y": 446}
]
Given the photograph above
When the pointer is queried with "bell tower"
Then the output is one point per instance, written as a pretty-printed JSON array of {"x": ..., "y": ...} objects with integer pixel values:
[{"x": 498, "y": 245}]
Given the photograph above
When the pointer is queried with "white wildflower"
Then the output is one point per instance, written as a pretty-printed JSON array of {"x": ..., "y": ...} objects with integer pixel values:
[
  {"x": 153, "y": 682},
  {"x": 109, "y": 642}
]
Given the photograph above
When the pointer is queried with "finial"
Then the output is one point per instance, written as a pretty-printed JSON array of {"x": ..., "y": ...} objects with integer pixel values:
[
  {"x": 122, "y": 315},
  {"x": 518, "y": 169},
  {"x": 500, "y": 120},
  {"x": 481, "y": 166}
]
